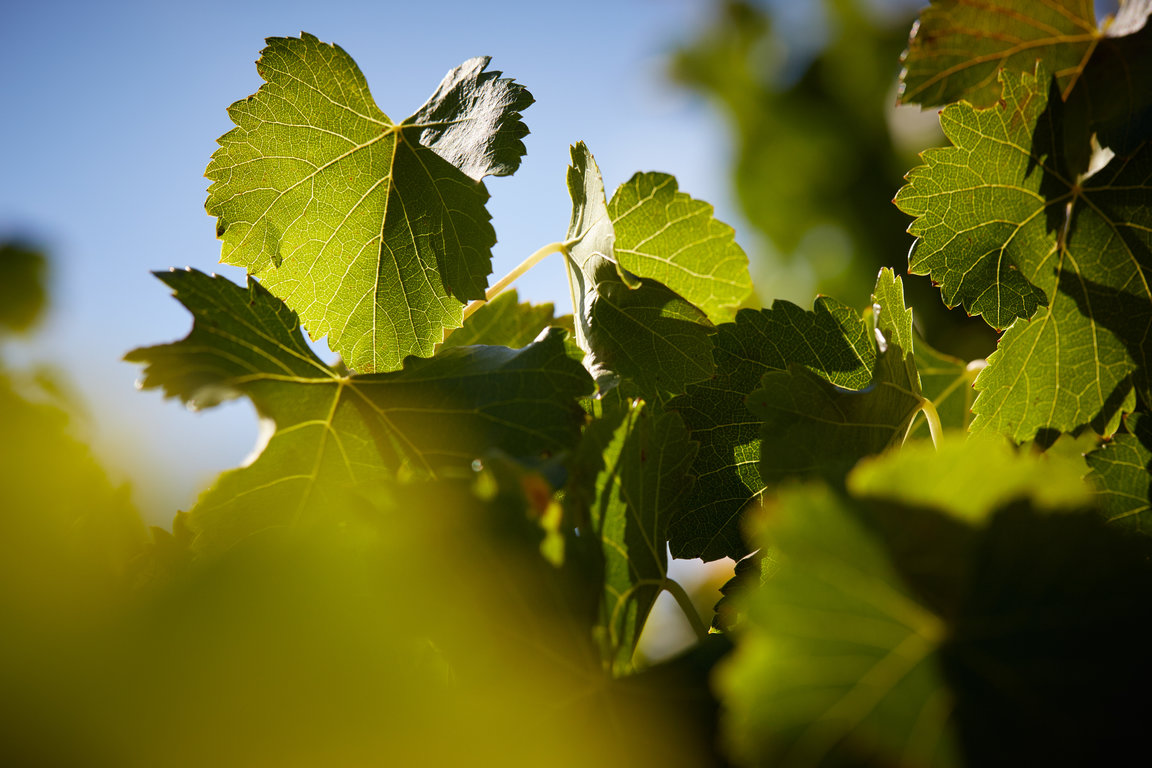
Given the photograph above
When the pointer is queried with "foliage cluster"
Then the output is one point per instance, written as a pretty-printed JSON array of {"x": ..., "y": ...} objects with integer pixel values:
[{"x": 450, "y": 542}]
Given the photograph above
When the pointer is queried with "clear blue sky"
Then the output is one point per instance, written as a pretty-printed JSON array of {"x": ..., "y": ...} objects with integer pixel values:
[{"x": 111, "y": 111}]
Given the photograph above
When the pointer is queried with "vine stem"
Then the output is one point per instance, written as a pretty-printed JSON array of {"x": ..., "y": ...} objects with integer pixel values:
[
  {"x": 499, "y": 286},
  {"x": 673, "y": 588},
  {"x": 934, "y": 427}
]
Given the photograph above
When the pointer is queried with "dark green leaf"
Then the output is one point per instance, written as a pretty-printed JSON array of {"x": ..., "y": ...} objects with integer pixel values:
[
  {"x": 831, "y": 340},
  {"x": 812, "y": 427},
  {"x": 332, "y": 433},
  {"x": 628, "y": 326},
  {"x": 364, "y": 227},
  {"x": 957, "y": 47},
  {"x": 1122, "y": 473},
  {"x": 630, "y": 474},
  {"x": 837, "y": 664},
  {"x": 1006, "y": 229},
  {"x": 749, "y": 574},
  {"x": 664, "y": 234}
]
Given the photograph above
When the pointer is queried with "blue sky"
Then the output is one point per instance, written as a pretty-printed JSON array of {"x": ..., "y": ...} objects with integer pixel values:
[{"x": 112, "y": 111}]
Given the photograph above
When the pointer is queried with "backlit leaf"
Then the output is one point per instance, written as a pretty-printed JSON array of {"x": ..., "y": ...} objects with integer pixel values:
[
  {"x": 364, "y": 227},
  {"x": 664, "y": 234},
  {"x": 628, "y": 326},
  {"x": 1010, "y": 233}
]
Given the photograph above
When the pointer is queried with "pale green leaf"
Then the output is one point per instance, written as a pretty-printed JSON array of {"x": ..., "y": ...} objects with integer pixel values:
[
  {"x": 812, "y": 427},
  {"x": 629, "y": 327},
  {"x": 969, "y": 477},
  {"x": 664, "y": 234},
  {"x": 831, "y": 340},
  {"x": 630, "y": 474},
  {"x": 957, "y": 47},
  {"x": 330, "y": 434},
  {"x": 1121, "y": 470},
  {"x": 1006, "y": 229},
  {"x": 365, "y": 228}
]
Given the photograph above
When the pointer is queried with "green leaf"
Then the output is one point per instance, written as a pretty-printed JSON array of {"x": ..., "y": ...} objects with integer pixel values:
[
  {"x": 630, "y": 474},
  {"x": 958, "y": 47},
  {"x": 812, "y": 427},
  {"x": 664, "y": 234},
  {"x": 628, "y": 326},
  {"x": 365, "y": 228},
  {"x": 329, "y": 433},
  {"x": 967, "y": 478},
  {"x": 831, "y": 340},
  {"x": 503, "y": 322},
  {"x": 1005, "y": 229},
  {"x": 837, "y": 664},
  {"x": 1121, "y": 470}
]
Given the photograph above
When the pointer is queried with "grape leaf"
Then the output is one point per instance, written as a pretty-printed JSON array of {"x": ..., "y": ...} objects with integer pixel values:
[
  {"x": 1005, "y": 229},
  {"x": 831, "y": 340},
  {"x": 664, "y": 234},
  {"x": 838, "y": 658},
  {"x": 1121, "y": 469},
  {"x": 331, "y": 433},
  {"x": 957, "y": 47},
  {"x": 968, "y": 477},
  {"x": 812, "y": 427},
  {"x": 630, "y": 474},
  {"x": 366, "y": 228},
  {"x": 504, "y": 322},
  {"x": 628, "y": 326},
  {"x": 910, "y": 617}
]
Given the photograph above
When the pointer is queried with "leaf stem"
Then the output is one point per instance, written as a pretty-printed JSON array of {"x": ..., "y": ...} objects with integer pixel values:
[
  {"x": 934, "y": 427},
  {"x": 512, "y": 276},
  {"x": 685, "y": 603}
]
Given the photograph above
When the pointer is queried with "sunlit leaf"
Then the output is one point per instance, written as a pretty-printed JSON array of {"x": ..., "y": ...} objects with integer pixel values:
[
  {"x": 1011, "y": 234},
  {"x": 628, "y": 326},
  {"x": 664, "y": 234},
  {"x": 375, "y": 233}
]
